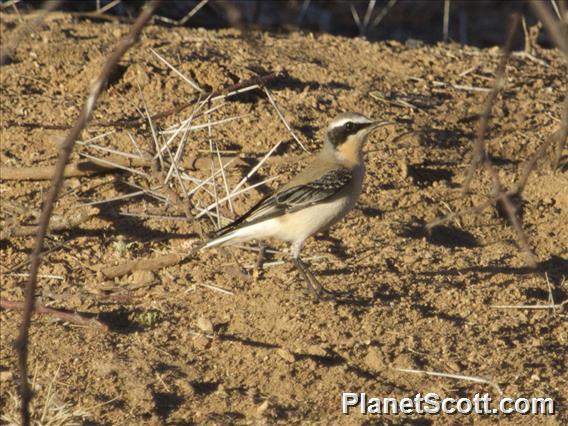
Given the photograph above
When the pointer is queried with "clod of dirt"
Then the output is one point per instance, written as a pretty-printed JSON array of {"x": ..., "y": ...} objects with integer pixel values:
[
  {"x": 286, "y": 355},
  {"x": 375, "y": 360},
  {"x": 201, "y": 342},
  {"x": 205, "y": 325},
  {"x": 5, "y": 376},
  {"x": 142, "y": 278},
  {"x": 316, "y": 350}
]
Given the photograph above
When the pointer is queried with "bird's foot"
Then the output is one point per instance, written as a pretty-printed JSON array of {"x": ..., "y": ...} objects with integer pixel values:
[{"x": 261, "y": 258}]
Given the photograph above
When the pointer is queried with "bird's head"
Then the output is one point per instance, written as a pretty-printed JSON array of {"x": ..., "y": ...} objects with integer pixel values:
[{"x": 347, "y": 133}]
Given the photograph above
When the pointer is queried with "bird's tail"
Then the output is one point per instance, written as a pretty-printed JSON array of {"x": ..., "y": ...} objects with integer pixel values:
[
  {"x": 238, "y": 233},
  {"x": 222, "y": 237}
]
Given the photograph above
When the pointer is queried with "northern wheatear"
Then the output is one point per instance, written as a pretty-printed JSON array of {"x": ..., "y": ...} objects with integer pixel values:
[{"x": 318, "y": 197}]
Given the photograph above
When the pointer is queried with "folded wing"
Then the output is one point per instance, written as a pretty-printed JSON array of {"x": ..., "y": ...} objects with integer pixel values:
[{"x": 294, "y": 198}]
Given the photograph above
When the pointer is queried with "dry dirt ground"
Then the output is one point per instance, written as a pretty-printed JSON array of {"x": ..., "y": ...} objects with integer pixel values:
[{"x": 179, "y": 352}]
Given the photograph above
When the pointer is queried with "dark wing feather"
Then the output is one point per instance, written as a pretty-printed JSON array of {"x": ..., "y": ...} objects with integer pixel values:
[{"x": 294, "y": 198}]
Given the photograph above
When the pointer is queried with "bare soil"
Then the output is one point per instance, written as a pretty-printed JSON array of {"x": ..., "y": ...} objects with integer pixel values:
[{"x": 178, "y": 352}]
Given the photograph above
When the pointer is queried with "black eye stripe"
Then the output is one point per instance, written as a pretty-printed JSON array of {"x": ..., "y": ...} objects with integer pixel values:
[{"x": 339, "y": 134}]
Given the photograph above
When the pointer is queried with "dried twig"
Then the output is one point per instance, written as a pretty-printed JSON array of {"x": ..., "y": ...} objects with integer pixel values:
[
  {"x": 66, "y": 149},
  {"x": 104, "y": 165},
  {"x": 255, "y": 168},
  {"x": 517, "y": 191},
  {"x": 72, "y": 317},
  {"x": 460, "y": 213},
  {"x": 356, "y": 18},
  {"x": 58, "y": 223}
]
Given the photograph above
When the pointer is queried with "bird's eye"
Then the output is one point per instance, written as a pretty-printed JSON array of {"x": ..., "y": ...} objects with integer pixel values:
[{"x": 349, "y": 126}]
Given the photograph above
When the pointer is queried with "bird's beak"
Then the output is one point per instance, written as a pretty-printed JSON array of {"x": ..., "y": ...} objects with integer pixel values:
[{"x": 376, "y": 124}]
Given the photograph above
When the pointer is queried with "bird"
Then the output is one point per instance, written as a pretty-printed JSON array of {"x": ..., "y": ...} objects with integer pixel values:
[{"x": 312, "y": 201}]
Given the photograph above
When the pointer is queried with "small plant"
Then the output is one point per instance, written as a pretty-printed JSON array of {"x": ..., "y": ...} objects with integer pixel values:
[{"x": 147, "y": 318}]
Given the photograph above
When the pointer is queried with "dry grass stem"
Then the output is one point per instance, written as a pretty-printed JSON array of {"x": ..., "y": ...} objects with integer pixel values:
[
  {"x": 117, "y": 198},
  {"x": 209, "y": 180},
  {"x": 216, "y": 288},
  {"x": 255, "y": 168},
  {"x": 437, "y": 83},
  {"x": 114, "y": 165},
  {"x": 555, "y": 30},
  {"x": 181, "y": 146},
  {"x": 108, "y": 6},
  {"x": 368, "y": 14},
  {"x": 207, "y": 125},
  {"x": 384, "y": 12},
  {"x": 474, "y": 379},
  {"x": 47, "y": 409},
  {"x": 111, "y": 151},
  {"x": 446, "y": 22},
  {"x": 47, "y": 276},
  {"x": 232, "y": 195},
  {"x": 282, "y": 262},
  {"x": 356, "y": 18},
  {"x": 536, "y": 307},
  {"x": 282, "y": 118},
  {"x": 179, "y": 74},
  {"x": 214, "y": 181},
  {"x": 186, "y": 18}
]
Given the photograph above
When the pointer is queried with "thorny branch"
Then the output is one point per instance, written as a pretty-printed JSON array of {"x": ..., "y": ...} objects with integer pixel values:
[
  {"x": 499, "y": 195},
  {"x": 479, "y": 153},
  {"x": 558, "y": 31},
  {"x": 66, "y": 149},
  {"x": 71, "y": 317}
]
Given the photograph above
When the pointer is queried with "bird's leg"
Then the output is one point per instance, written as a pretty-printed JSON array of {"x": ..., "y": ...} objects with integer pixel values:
[
  {"x": 314, "y": 280},
  {"x": 313, "y": 285},
  {"x": 307, "y": 276},
  {"x": 322, "y": 291},
  {"x": 261, "y": 256}
]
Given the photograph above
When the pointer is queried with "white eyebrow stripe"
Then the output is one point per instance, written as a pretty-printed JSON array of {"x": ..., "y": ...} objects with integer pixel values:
[{"x": 355, "y": 119}]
